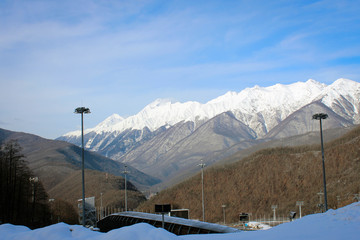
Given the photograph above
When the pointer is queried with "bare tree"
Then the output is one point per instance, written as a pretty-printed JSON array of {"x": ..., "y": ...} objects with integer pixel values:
[{"x": 23, "y": 200}]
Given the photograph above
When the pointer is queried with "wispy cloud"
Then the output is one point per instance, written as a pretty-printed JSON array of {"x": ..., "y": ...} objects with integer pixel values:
[{"x": 58, "y": 54}]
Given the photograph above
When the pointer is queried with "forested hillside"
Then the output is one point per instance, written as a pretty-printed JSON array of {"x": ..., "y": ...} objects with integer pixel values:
[
  {"x": 278, "y": 176},
  {"x": 23, "y": 199},
  {"x": 104, "y": 187}
]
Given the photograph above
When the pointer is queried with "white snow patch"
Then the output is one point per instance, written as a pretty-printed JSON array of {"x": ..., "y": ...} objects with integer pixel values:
[{"x": 343, "y": 223}]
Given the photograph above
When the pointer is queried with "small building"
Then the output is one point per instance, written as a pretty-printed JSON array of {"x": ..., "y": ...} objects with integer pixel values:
[{"x": 180, "y": 213}]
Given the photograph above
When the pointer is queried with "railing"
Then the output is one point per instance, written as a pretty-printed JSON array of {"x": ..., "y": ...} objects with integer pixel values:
[{"x": 179, "y": 226}]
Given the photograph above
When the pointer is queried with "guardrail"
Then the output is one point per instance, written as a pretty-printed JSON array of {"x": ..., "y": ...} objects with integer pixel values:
[{"x": 178, "y": 226}]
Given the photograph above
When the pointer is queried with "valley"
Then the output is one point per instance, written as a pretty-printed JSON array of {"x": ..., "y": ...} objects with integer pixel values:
[
  {"x": 256, "y": 137},
  {"x": 167, "y": 139}
]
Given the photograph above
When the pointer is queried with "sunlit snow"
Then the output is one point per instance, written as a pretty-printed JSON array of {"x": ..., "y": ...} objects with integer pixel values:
[{"x": 343, "y": 223}]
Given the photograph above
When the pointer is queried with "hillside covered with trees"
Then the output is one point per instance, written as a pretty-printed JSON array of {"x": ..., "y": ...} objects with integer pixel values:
[
  {"x": 23, "y": 199},
  {"x": 56, "y": 166},
  {"x": 108, "y": 190},
  {"x": 277, "y": 176}
]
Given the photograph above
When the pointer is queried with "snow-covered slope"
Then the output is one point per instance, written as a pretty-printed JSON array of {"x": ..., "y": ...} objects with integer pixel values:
[{"x": 343, "y": 96}]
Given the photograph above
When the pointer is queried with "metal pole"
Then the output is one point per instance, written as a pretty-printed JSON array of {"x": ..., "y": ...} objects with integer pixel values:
[
  {"x": 82, "y": 110},
  {"x": 224, "y": 206},
  {"x": 320, "y": 116},
  {"x": 163, "y": 220},
  {"x": 202, "y": 190},
  {"x": 274, "y": 207},
  {"x": 125, "y": 193},
  {"x": 82, "y": 169},
  {"x": 101, "y": 206},
  {"x": 33, "y": 181},
  {"x": 125, "y": 173},
  {"x": 323, "y": 165},
  {"x": 202, "y": 184},
  {"x": 274, "y": 211},
  {"x": 300, "y": 203}
]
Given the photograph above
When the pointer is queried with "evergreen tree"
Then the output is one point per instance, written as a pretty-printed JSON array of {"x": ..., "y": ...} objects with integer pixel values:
[{"x": 23, "y": 199}]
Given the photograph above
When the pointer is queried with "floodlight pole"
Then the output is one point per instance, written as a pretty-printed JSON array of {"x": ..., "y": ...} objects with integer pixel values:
[
  {"x": 125, "y": 172},
  {"x": 223, "y": 207},
  {"x": 320, "y": 116},
  {"x": 82, "y": 110},
  {"x": 202, "y": 165},
  {"x": 274, "y": 207},
  {"x": 300, "y": 203},
  {"x": 101, "y": 206},
  {"x": 34, "y": 181}
]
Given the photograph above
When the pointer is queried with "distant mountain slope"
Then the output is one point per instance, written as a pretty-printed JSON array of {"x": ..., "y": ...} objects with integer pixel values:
[
  {"x": 300, "y": 121},
  {"x": 275, "y": 176},
  {"x": 53, "y": 160},
  {"x": 216, "y": 134},
  {"x": 245, "y": 148},
  {"x": 166, "y": 139},
  {"x": 107, "y": 189}
]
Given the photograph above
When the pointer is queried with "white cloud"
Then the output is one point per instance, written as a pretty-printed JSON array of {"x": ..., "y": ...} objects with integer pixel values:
[{"x": 107, "y": 52}]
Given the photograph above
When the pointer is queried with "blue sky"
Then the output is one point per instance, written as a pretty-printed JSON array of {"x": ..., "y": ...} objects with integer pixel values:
[{"x": 118, "y": 56}]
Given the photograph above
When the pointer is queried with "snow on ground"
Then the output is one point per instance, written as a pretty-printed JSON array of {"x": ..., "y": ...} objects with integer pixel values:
[{"x": 343, "y": 223}]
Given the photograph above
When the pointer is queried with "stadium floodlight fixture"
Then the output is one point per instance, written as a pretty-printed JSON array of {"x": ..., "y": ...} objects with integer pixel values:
[
  {"x": 82, "y": 111},
  {"x": 320, "y": 116}
]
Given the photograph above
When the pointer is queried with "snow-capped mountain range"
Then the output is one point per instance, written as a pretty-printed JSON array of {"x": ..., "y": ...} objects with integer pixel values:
[
  {"x": 258, "y": 111},
  {"x": 279, "y": 99}
]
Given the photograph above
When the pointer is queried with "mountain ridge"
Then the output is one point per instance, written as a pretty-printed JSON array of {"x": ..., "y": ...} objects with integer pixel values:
[
  {"x": 191, "y": 132},
  {"x": 163, "y": 112}
]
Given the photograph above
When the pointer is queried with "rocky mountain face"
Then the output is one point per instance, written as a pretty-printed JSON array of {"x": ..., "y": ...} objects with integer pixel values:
[{"x": 166, "y": 139}]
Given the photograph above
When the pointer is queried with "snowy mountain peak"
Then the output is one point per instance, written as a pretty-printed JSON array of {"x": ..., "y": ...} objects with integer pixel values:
[
  {"x": 272, "y": 104},
  {"x": 114, "y": 118},
  {"x": 344, "y": 84},
  {"x": 226, "y": 97},
  {"x": 314, "y": 82},
  {"x": 110, "y": 121},
  {"x": 160, "y": 102},
  {"x": 343, "y": 95}
]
